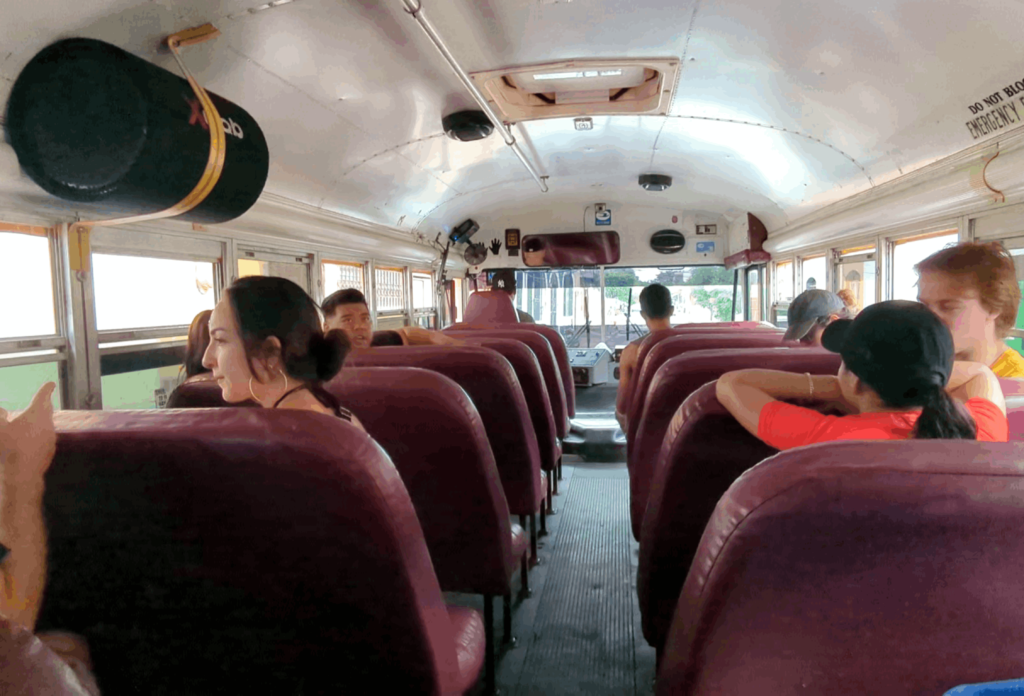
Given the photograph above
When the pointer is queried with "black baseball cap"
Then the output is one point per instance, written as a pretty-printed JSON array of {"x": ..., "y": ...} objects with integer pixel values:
[
  {"x": 504, "y": 279},
  {"x": 895, "y": 347},
  {"x": 808, "y": 308}
]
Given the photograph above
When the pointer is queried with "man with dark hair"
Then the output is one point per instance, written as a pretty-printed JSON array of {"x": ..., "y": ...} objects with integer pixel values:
[
  {"x": 347, "y": 311},
  {"x": 656, "y": 309},
  {"x": 505, "y": 280}
]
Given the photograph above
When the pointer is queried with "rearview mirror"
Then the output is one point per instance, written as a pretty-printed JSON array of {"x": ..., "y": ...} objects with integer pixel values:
[{"x": 571, "y": 249}]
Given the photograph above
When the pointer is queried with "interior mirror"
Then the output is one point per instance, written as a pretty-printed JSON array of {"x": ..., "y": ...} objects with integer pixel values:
[{"x": 571, "y": 249}]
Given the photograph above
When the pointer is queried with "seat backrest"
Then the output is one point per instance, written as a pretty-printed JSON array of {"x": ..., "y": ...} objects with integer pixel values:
[
  {"x": 684, "y": 374},
  {"x": 491, "y": 307},
  {"x": 202, "y": 395},
  {"x": 240, "y": 551},
  {"x": 704, "y": 452},
  {"x": 672, "y": 346},
  {"x": 557, "y": 345},
  {"x": 857, "y": 567},
  {"x": 429, "y": 427},
  {"x": 28, "y": 667},
  {"x": 541, "y": 347},
  {"x": 528, "y": 371},
  {"x": 491, "y": 383}
]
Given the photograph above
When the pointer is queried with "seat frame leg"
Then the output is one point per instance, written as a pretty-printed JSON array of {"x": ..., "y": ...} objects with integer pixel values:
[
  {"x": 506, "y": 602},
  {"x": 490, "y": 661},
  {"x": 559, "y": 468},
  {"x": 534, "y": 558},
  {"x": 553, "y": 477},
  {"x": 524, "y": 577},
  {"x": 543, "y": 520},
  {"x": 550, "y": 498}
]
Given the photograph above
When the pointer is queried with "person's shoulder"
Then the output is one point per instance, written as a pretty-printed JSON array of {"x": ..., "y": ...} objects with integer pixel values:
[{"x": 525, "y": 318}]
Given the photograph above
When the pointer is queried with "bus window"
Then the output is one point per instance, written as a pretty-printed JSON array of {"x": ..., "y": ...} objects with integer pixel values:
[
  {"x": 342, "y": 275},
  {"x": 459, "y": 299},
  {"x": 144, "y": 306},
  {"x": 907, "y": 253},
  {"x": 1016, "y": 248},
  {"x": 389, "y": 294},
  {"x": 26, "y": 283},
  {"x": 812, "y": 273},
  {"x": 754, "y": 295},
  {"x": 294, "y": 268},
  {"x": 856, "y": 269},
  {"x": 424, "y": 301},
  {"x": 784, "y": 281}
]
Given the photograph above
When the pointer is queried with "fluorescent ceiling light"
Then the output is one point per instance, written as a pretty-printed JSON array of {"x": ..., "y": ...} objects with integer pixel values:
[{"x": 578, "y": 74}]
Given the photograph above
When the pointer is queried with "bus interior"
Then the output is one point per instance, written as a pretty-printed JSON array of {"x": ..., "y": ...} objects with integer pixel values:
[{"x": 497, "y": 529}]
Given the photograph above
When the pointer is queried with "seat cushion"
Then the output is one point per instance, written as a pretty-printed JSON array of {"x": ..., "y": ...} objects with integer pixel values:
[
  {"x": 520, "y": 541},
  {"x": 470, "y": 646}
]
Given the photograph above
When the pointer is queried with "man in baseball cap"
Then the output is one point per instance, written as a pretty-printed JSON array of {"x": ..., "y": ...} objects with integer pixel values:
[
  {"x": 505, "y": 280},
  {"x": 810, "y": 313}
]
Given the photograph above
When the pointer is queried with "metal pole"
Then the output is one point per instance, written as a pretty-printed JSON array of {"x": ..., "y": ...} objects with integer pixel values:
[
  {"x": 735, "y": 284},
  {"x": 415, "y": 8},
  {"x": 629, "y": 312}
]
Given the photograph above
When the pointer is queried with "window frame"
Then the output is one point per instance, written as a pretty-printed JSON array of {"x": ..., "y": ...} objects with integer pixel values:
[
  {"x": 891, "y": 243},
  {"x": 402, "y": 311}
]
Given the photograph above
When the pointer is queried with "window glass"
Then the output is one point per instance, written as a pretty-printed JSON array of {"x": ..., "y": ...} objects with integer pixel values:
[
  {"x": 342, "y": 276},
  {"x": 458, "y": 298},
  {"x": 784, "y": 281},
  {"x": 906, "y": 255},
  {"x": 19, "y": 383},
  {"x": 813, "y": 272},
  {"x": 134, "y": 292},
  {"x": 422, "y": 290},
  {"x": 754, "y": 291},
  {"x": 143, "y": 389},
  {"x": 298, "y": 273},
  {"x": 1016, "y": 342},
  {"x": 389, "y": 287},
  {"x": 856, "y": 272},
  {"x": 26, "y": 286}
]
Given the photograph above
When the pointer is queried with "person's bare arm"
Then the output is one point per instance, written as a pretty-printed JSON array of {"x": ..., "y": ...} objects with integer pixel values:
[
  {"x": 627, "y": 363},
  {"x": 27, "y": 445},
  {"x": 971, "y": 380},
  {"x": 745, "y": 392}
]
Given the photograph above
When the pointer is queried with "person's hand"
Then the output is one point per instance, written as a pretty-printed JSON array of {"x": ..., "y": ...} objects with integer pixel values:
[{"x": 28, "y": 441}]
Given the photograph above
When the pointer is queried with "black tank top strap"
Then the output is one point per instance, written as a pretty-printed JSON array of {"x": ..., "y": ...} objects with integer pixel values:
[
  {"x": 324, "y": 397},
  {"x": 289, "y": 393}
]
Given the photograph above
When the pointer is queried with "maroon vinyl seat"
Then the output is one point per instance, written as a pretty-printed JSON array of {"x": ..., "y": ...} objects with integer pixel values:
[
  {"x": 202, "y": 395},
  {"x": 245, "y": 551},
  {"x": 676, "y": 345},
  {"x": 857, "y": 568},
  {"x": 684, "y": 374},
  {"x": 557, "y": 343},
  {"x": 28, "y": 667},
  {"x": 648, "y": 342},
  {"x": 491, "y": 307},
  {"x": 528, "y": 372},
  {"x": 541, "y": 347},
  {"x": 491, "y": 383},
  {"x": 450, "y": 474}
]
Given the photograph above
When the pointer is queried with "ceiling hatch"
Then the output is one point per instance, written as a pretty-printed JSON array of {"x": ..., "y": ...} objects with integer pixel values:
[{"x": 580, "y": 88}]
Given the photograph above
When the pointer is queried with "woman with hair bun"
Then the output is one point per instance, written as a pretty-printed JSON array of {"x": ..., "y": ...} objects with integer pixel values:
[
  {"x": 898, "y": 380},
  {"x": 267, "y": 344}
]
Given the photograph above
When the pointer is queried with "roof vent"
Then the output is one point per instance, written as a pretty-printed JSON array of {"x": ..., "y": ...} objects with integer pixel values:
[
  {"x": 467, "y": 125},
  {"x": 580, "y": 88},
  {"x": 668, "y": 241},
  {"x": 655, "y": 182}
]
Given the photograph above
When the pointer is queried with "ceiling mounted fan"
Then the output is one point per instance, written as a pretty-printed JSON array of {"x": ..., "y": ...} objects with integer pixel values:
[{"x": 475, "y": 254}]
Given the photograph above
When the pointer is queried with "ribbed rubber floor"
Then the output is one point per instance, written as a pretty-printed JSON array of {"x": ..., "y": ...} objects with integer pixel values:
[{"x": 584, "y": 632}]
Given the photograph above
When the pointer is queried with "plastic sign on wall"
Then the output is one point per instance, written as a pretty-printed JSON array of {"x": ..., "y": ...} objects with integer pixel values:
[
  {"x": 705, "y": 247},
  {"x": 603, "y": 217}
]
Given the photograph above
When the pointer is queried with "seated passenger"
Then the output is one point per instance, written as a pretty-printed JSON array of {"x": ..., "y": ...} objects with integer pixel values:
[
  {"x": 852, "y": 309},
  {"x": 198, "y": 340},
  {"x": 413, "y": 336},
  {"x": 810, "y": 313},
  {"x": 347, "y": 311},
  {"x": 656, "y": 309},
  {"x": 973, "y": 288},
  {"x": 267, "y": 344},
  {"x": 27, "y": 445},
  {"x": 898, "y": 380},
  {"x": 505, "y": 280}
]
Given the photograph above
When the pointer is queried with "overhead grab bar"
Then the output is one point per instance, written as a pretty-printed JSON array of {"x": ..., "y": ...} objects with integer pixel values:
[{"x": 415, "y": 8}]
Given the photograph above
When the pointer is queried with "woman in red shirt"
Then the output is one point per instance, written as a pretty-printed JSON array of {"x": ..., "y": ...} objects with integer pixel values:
[{"x": 897, "y": 381}]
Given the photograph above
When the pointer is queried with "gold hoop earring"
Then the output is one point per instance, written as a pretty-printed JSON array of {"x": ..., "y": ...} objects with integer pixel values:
[
  {"x": 285, "y": 392},
  {"x": 251, "y": 391}
]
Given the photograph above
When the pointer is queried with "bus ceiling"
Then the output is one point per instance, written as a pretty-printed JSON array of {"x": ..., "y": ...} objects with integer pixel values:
[{"x": 817, "y": 118}]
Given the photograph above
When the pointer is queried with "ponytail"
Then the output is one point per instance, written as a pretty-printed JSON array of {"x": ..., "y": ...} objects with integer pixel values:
[{"x": 943, "y": 418}]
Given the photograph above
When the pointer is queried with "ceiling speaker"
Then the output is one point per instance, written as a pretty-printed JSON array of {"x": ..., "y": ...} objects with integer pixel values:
[{"x": 668, "y": 241}]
